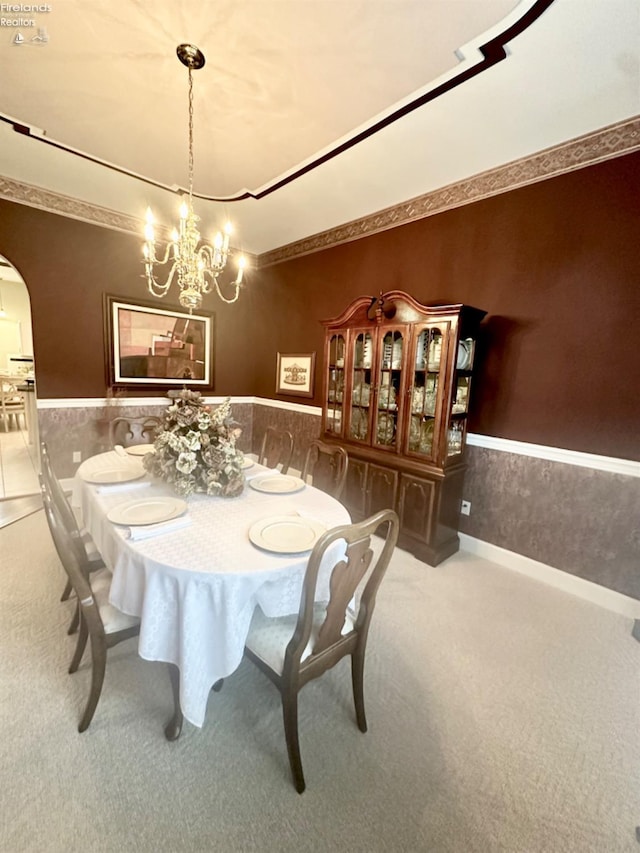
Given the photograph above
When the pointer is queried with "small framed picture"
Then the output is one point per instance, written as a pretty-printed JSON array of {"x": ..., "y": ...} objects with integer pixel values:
[{"x": 295, "y": 374}]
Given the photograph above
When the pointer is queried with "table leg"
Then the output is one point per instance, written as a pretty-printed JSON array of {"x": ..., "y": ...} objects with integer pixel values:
[{"x": 174, "y": 726}]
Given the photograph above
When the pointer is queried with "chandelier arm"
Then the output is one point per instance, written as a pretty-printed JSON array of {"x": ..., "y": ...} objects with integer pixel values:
[
  {"x": 234, "y": 284},
  {"x": 154, "y": 285}
]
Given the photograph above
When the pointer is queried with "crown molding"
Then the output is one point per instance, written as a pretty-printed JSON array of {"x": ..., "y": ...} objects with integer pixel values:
[
  {"x": 64, "y": 205},
  {"x": 613, "y": 141}
]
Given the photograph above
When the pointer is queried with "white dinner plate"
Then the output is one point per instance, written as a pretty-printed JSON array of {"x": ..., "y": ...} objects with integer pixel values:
[
  {"x": 113, "y": 475},
  {"x": 139, "y": 449},
  {"x": 286, "y": 534},
  {"x": 247, "y": 463},
  {"x": 277, "y": 484},
  {"x": 464, "y": 355},
  {"x": 147, "y": 511}
]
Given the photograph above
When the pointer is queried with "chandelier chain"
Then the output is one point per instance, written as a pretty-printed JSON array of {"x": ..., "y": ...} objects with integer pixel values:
[{"x": 190, "y": 136}]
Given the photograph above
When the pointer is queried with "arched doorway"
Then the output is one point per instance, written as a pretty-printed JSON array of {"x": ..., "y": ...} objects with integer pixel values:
[{"x": 19, "y": 464}]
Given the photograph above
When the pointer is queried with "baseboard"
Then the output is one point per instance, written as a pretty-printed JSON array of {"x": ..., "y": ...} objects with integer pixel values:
[{"x": 587, "y": 590}]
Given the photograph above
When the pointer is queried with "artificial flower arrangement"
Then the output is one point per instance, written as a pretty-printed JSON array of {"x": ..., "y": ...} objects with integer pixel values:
[{"x": 195, "y": 448}]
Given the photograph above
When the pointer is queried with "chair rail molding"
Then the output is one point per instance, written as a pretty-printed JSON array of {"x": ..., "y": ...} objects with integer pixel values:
[{"x": 610, "y": 464}]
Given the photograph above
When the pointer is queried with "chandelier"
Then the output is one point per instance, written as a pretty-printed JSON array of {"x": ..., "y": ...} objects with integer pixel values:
[{"x": 195, "y": 265}]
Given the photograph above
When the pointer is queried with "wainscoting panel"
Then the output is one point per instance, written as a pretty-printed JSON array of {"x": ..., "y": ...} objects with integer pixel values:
[
  {"x": 302, "y": 425},
  {"x": 580, "y": 520},
  {"x": 72, "y": 428}
]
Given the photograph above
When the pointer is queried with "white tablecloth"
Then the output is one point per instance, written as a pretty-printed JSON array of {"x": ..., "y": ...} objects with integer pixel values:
[{"x": 195, "y": 589}]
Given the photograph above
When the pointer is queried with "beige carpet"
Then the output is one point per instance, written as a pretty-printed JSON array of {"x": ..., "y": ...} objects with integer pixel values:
[{"x": 503, "y": 716}]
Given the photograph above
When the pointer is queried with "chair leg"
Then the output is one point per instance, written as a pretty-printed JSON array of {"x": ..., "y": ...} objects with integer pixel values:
[
  {"x": 80, "y": 647},
  {"x": 98, "y": 666},
  {"x": 357, "y": 680},
  {"x": 174, "y": 726},
  {"x": 290, "y": 716},
  {"x": 75, "y": 619},
  {"x": 67, "y": 592}
]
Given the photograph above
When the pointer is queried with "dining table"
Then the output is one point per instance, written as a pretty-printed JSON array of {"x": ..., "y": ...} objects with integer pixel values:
[{"x": 195, "y": 569}]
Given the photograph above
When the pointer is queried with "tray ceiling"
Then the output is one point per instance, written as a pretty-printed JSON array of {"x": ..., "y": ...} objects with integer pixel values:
[{"x": 288, "y": 83}]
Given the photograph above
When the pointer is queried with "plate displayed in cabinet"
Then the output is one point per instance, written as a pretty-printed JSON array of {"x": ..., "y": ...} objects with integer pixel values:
[
  {"x": 464, "y": 355},
  {"x": 386, "y": 428}
]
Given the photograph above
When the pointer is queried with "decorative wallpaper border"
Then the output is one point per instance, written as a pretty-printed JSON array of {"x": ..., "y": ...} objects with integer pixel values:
[
  {"x": 64, "y": 205},
  {"x": 605, "y": 144},
  {"x": 610, "y": 464}
]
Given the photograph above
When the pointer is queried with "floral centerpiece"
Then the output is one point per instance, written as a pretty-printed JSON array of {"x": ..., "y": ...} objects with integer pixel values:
[{"x": 195, "y": 448}]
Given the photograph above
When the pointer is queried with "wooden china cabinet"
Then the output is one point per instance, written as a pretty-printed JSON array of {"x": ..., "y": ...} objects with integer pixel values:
[{"x": 397, "y": 385}]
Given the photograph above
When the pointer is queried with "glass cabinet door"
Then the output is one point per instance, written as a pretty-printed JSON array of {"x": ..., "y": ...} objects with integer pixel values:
[
  {"x": 457, "y": 426},
  {"x": 424, "y": 385},
  {"x": 389, "y": 389},
  {"x": 361, "y": 390},
  {"x": 335, "y": 385}
]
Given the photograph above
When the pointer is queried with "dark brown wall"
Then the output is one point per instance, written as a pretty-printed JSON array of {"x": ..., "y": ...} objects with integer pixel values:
[
  {"x": 67, "y": 266},
  {"x": 555, "y": 265}
]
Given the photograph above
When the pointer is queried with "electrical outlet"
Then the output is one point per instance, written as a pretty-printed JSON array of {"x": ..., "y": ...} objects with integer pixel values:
[
  {"x": 77, "y": 456},
  {"x": 465, "y": 507}
]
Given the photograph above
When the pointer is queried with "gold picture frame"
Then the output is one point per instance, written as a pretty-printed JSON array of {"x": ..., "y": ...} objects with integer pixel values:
[{"x": 295, "y": 374}]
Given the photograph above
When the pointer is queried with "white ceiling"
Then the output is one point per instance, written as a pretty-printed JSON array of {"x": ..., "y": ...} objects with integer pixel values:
[{"x": 285, "y": 82}]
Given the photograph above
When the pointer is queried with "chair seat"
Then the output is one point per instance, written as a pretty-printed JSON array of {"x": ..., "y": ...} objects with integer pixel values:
[
  {"x": 269, "y": 636},
  {"x": 113, "y": 619},
  {"x": 93, "y": 555}
]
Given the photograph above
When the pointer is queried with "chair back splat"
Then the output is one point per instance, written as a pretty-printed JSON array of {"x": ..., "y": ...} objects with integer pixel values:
[
  {"x": 327, "y": 466},
  {"x": 130, "y": 431},
  {"x": 62, "y": 506},
  {"x": 293, "y": 650},
  {"x": 276, "y": 449},
  {"x": 12, "y": 405}
]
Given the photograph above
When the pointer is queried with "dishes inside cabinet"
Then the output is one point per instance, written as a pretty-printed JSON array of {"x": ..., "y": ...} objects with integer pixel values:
[
  {"x": 414, "y": 432},
  {"x": 435, "y": 353},
  {"x": 367, "y": 351},
  {"x": 334, "y": 420},
  {"x": 359, "y": 424},
  {"x": 465, "y": 354},
  {"x": 387, "y": 397},
  {"x": 386, "y": 428},
  {"x": 361, "y": 394},
  {"x": 417, "y": 400},
  {"x": 396, "y": 354},
  {"x": 387, "y": 352},
  {"x": 426, "y": 436},
  {"x": 462, "y": 395}
]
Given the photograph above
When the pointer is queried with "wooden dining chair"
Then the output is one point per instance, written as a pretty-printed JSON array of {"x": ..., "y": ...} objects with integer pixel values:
[
  {"x": 12, "y": 405},
  {"x": 100, "y": 622},
  {"x": 276, "y": 449},
  {"x": 293, "y": 650},
  {"x": 129, "y": 431},
  {"x": 327, "y": 465},
  {"x": 81, "y": 541}
]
